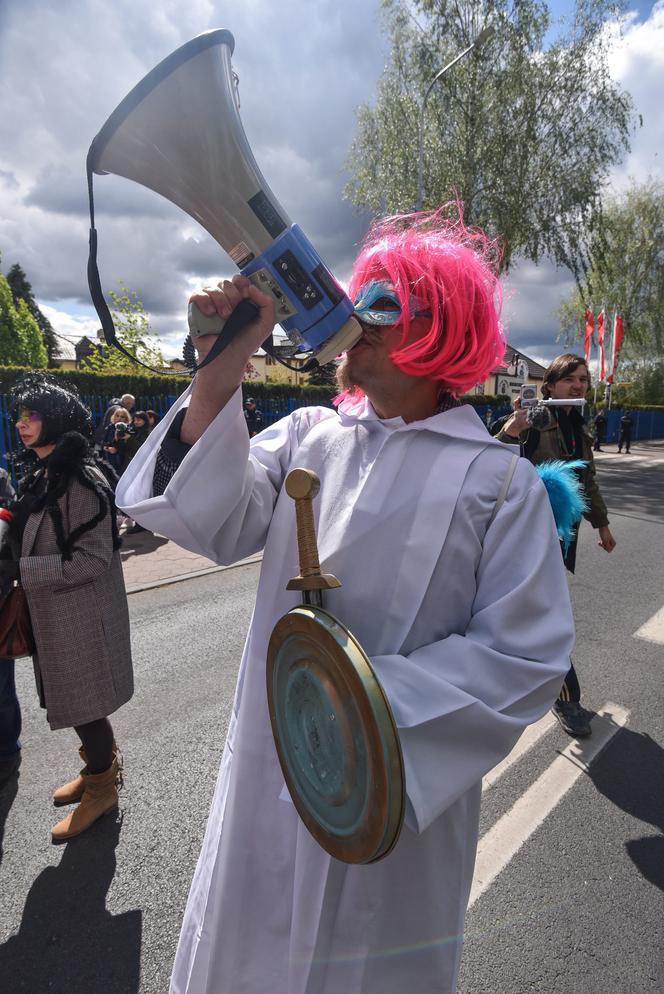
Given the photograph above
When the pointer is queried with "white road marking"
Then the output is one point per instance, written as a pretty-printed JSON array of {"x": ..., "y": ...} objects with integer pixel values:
[
  {"x": 653, "y": 630},
  {"x": 502, "y": 842},
  {"x": 530, "y": 737}
]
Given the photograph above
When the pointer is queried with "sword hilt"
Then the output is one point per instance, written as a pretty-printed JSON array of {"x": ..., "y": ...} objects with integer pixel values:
[{"x": 303, "y": 485}]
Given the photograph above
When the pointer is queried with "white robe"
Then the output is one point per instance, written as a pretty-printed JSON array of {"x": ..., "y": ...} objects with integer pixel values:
[{"x": 469, "y": 633}]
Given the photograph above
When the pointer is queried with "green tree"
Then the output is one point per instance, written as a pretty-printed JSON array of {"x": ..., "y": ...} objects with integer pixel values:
[
  {"x": 324, "y": 376},
  {"x": 11, "y": 343},
  {"x": 625, "y": 275},
  {"x": 132, "y": 327},
  {"x": 524, "y": 131},
  {"x": 22, "y": 290},
  {"x": 21, "y": 342},
  {"x": 32, "y": 340}
]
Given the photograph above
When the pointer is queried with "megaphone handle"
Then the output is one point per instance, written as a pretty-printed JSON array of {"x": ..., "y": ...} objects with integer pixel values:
[
  {"x": 245, "y": 312},
  {"x": 207, "y": 324}
]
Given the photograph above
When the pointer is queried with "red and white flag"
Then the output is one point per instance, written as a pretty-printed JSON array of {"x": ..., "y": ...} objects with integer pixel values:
[
  {"x": 600, "y": 342},
  {"x": 618, "y": 335},
  {"x": 590, "y": 327}
]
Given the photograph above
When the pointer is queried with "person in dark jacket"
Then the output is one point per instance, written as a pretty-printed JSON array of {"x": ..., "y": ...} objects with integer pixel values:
[
  {"x": 253, "y": 417},
  {"x": 600, "y": 430},
  {"x": 131, "y": 444},
  {"x": 565, "y": 438},
  {"x": 625, "y": 436},
  {"x": 117, "y": 435},
  {"x": 100, "y": 430}
]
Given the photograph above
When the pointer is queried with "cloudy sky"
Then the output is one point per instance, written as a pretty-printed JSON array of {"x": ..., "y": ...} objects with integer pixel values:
[{"x": 304, "y": 67}]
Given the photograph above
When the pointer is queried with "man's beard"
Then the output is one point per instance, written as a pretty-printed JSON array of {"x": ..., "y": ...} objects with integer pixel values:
[{"x": 345, "y": 379}]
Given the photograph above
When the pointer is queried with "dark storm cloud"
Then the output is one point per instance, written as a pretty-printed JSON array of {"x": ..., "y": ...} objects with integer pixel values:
[{"x": 60, "y": 190}]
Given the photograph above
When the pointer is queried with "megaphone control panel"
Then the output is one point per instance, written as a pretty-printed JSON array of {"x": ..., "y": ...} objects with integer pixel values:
[{"x": 310, "y": 305}]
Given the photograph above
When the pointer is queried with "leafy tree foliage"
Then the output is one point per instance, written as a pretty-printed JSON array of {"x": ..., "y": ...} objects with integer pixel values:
[
  {"x": 325, "y": 375},
  {"x": 22, "y": 290},
  {"x": 524, "y": 131},
  {"x": 21, "y": 342},
  {"x": 626, "y": 276},
  {"x": 132, "y": 327}
]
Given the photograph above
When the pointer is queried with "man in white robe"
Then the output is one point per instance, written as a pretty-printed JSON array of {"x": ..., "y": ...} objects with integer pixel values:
[{"x": 466, "y": 620}]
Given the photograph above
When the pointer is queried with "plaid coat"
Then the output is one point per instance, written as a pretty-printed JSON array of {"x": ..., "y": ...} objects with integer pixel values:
[{"x": 79, "y": 614}]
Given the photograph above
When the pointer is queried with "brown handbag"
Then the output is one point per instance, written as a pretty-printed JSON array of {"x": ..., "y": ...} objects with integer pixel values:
[{"x": 16, "y": 636}]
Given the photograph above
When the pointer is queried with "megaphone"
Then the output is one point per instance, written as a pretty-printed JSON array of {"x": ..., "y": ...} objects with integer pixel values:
[{"x": 179, "y": 133}]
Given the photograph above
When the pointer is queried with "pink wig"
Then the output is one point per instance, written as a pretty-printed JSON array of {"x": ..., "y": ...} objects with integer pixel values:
[{"x": 453, "y": 270}]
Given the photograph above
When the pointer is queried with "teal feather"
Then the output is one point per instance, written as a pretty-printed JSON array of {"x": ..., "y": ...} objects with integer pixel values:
[{"x": 565, "y": 494}]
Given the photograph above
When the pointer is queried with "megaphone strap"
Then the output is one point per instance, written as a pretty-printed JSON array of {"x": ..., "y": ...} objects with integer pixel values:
[
  {"x": 241, "y": 316},
  {"x": 245, "y": 312}
]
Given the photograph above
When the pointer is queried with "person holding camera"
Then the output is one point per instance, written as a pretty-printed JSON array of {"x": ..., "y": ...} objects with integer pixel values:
[
  {"x": 117, "y": 435},
  {"x": 565, "y": 436}
]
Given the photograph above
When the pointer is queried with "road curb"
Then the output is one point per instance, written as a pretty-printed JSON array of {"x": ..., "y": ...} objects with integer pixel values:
[{"x": 166, "y": 581}]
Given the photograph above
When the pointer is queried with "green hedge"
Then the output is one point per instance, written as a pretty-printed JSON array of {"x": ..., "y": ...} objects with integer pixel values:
[
  {"x": 116, "y": 384},
  {"x": 629, "y": 407},
  {"x": 104, "y": 384}
]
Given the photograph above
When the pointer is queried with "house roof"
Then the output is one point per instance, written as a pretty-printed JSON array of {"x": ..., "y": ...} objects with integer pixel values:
[
  {"x": 535, "y": 369},
  {"x": 65, "y": 348}
]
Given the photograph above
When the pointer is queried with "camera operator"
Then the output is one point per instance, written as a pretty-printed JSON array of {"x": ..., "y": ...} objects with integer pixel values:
[
  {"x": 118, "y": 433},
  {"x": 563, "y": 434}
]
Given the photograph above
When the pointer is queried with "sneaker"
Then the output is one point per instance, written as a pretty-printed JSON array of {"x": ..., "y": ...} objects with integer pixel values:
[
  {"x": 573, "y": 718},
  {"x": 135, "y": 529}
]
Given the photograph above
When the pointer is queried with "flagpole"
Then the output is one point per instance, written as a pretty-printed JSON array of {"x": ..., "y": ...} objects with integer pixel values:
[
  {"x": 597, "y": 376},
  {"x": 610, "y": 372}
]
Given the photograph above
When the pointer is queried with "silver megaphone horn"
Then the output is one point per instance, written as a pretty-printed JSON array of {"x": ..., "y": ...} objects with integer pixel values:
[{"x": 179, "y": 133}]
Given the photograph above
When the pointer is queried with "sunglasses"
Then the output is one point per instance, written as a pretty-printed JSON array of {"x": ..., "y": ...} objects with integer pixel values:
[{"x": 28, "y": 417}]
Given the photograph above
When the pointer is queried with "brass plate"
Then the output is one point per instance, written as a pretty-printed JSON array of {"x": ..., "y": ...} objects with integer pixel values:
[{"x": 335, "y": 735}]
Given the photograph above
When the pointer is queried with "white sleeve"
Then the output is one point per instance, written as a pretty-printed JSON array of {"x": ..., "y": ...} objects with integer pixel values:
[
  {"x": 219, "y": 503},
  {"x": 460, "y": 704}
]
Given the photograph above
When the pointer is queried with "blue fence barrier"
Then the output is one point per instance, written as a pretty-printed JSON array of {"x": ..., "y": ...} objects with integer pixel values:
[
  {"x": 10, "y": 442},
  {"x": 646, "y": 424}
]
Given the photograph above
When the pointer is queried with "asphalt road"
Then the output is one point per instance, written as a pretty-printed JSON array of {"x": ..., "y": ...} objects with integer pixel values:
[{"x": 578, "y": 910}]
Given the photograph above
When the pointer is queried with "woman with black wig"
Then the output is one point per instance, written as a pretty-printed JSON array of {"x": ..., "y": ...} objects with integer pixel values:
[{"x": 66, "y": 540}]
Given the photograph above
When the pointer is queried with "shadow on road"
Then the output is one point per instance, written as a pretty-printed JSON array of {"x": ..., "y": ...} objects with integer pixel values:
[
  {"x": 632, "y": 488},
  {"x": 140, "y": 544},
  {"x": 629, "y": 773},
  {"x": 68, "y": 942}
]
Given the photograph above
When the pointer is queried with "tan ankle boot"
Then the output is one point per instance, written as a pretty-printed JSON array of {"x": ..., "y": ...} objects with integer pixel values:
[
  {"x": 100, "y": 794},
  {"x": 72, "y": 792}
]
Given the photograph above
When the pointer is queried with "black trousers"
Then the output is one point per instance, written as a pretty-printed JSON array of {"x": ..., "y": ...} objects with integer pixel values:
[
  {"x": 625, "y": 439},
  {"x": 571, "y": 689}
]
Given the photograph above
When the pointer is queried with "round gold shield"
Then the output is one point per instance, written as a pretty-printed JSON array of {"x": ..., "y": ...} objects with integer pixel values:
[{"x": 335, "y": 735}]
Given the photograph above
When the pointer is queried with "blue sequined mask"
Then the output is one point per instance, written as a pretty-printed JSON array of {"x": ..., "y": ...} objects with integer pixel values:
[{"x": 388, "y": 309}]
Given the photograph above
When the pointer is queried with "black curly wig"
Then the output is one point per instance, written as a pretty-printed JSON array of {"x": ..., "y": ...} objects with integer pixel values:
[
  {"x": 60, "y": 407},
  {"x": 66, "y": 423}
]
